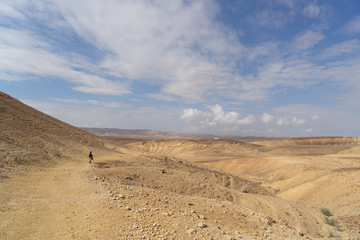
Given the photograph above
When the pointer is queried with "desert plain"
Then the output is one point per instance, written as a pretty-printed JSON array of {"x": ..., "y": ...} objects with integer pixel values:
[{"x": 289, "y": 188}]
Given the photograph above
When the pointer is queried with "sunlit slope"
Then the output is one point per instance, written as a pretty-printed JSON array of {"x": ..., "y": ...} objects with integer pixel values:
[
  {"x": 316, "y": 171},
  {"x": 197, "y": 150},
  {"x": 221, "y": 197},
  {"x": 28, "y": 136},
  {"x": 152, "y": 185}
]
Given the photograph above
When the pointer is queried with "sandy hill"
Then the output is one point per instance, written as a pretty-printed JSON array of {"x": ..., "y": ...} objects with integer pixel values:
[
  {"x": 29, "y": 136},
  {"x": 145, "y": 190},
  {"x": 321, "y": 172}
]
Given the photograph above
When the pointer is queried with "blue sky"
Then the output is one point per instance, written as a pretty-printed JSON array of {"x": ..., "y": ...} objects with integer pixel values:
[{"x": 281, "y": 68}]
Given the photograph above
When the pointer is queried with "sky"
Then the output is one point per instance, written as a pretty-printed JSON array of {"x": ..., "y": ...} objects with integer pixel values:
[{"x": 275, "y": 68}]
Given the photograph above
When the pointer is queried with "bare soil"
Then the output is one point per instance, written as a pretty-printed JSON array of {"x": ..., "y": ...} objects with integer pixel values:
[
  {"x": 106, "y": 200},
  {"x": 173, "y": 189}
]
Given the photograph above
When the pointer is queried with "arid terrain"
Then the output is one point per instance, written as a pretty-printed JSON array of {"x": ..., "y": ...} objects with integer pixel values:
[{"x": 171, "y": 189}]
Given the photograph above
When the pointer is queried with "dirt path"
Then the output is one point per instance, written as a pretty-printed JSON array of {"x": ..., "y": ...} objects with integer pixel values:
[
  {"x": 64, "y": 203},
  {"x": 56, "y": 203},
  {"x": 69, "y": 202}
]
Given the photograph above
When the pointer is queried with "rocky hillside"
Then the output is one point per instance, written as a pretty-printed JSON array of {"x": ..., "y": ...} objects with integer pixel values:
[
  {"x": 28, "y": 136},
  {"x": 145, "y": 190},
  {"x": 321, "y": 172},
  {"x": 197, "y": 150}
]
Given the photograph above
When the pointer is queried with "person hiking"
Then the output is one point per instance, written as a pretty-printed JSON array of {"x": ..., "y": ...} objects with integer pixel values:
[{"x": 90, "y": 157}]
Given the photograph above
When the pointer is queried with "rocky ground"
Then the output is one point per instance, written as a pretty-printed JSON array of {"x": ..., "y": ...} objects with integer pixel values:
[
  {"x": 167, "y": 190},
  {"x": 111, "y": 199}
]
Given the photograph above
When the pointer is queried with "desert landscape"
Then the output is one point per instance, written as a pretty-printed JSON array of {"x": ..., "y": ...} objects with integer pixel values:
[{"x": 290, "y": 188}]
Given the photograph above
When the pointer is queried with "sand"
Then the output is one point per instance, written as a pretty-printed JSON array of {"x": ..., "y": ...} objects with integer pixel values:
[{"x": 170, "y": 189}]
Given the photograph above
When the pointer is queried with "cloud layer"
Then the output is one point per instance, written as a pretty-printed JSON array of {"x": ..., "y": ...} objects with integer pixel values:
[
  {"x": 180, "y": 46},
  {"x": 216, "y": 116},
  {"x": 216, "y": 58}
]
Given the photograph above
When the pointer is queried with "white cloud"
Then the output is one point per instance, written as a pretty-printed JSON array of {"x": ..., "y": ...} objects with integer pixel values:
[
  {"x": 232, "y": 118},
  {"x": 161, "y": 97},
  {"x": 353, "y": 27},
  {"x": 24, "y": 57},
  {"x": 247, "y": 120},
  {"x": 217, "y": 117},
  {"x": 282, "y": 121},
  {"x": 295, "y": 72},
  {"x": 91, "y": 102},
  {"x": 301, "y": 72},
  {"x": 9, "y": 11},
  {"x": 97, "y": 85},
  {"x": 19, "y": 39},
  {"x": 289, "y": 121},
  {"x": 76, "y": 101},
  {"x": 84, "y": 114},
  {"x": 267, "y": 118},
  {"x": 178, "y": 44},
  {"x": 332, "y": 120},
  {"x": 315, "y": 117},
  {"x": 190, "y": 113},
  {"x": 307, "y": 40},
  {"x": 339, "y": 49},
  {"x": 270, "y": 18},
  {"x": 297, "y": 121},
  {"x": 175, "y": 43},
  {"x": 263, "y": 50},
  {"x": 312, "y": 10}
]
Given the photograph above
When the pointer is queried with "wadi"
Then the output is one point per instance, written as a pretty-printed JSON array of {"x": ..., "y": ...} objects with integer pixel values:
[{"x": 289, "y": 188}]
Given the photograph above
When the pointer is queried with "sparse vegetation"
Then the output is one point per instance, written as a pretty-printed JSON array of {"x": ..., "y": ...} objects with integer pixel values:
[
  {"x": 58, "y": 153},
  {"x": 331, "y": 222},
  {"x": 331, "y": 235},
  {"x": 326, "y": 212},
  {"x": 334, "y": 223},
  {"x": 276, "y": 190}
]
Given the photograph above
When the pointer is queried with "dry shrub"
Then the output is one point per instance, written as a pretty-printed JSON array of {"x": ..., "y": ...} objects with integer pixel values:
[{"x": 326, "y": 212}]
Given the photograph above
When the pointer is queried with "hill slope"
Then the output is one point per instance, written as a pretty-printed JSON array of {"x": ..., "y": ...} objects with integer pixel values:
[
  {"x": 28, "y": 136},
  {"x": 320, "y": 172},
  {"x": 128, "y": 193}
]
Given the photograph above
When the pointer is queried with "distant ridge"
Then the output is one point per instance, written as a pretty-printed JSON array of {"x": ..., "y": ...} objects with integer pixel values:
[
  {"x": 152, "y": 135},
  {"x": 309, "y": 141}
]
